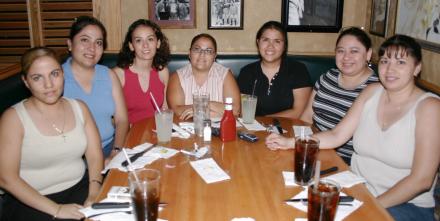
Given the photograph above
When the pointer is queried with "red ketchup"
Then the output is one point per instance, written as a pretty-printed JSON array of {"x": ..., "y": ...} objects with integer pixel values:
[{"x": 228, "y": 130}]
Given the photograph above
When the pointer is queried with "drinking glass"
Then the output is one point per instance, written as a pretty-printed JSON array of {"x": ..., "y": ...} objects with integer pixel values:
[
  {"x": 164, "y": 125},
  {"x": 200, "y": 111},
  {"x": 323, "y": 202},
  {"x": 145, "y": 193},
  {"x": 248, "y": 107},
  {"x": 306, "y": 152}
]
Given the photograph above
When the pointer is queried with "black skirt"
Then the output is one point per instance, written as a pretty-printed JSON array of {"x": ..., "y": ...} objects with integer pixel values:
[{"x": 14, "y": 210}]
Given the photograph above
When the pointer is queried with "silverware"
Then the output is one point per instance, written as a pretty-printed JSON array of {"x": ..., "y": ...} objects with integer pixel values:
[
  {"x": 329, "y": 170},
  {"x": 98, "y": 214},
  {"x": 342, "y": 199},
  {"x": 137, "y": 155}
]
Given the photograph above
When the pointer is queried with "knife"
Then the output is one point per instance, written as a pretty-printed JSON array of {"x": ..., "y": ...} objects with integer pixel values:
[
  {"x": 329, "y": 170},
  {"x": 137, "y": 155},
  {"x": 343, "y": 199},
  {"x": 116, "y": 205},
  {"x": 277, "y": 125}
]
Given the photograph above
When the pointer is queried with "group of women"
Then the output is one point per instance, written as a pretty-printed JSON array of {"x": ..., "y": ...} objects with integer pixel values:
[{"x": 83, "y": 109}]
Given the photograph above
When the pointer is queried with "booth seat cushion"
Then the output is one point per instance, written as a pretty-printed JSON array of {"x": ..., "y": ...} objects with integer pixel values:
[
  {"x": 316, "y": 65},
  {"x": 12, "y": 89}
]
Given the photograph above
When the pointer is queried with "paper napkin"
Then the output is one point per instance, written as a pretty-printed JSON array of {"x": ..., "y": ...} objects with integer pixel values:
[
  {"x": 341, "y": 212},
  {"x": 255, "y": 126},
  {"x": 307, "y": 130},
  {"x": 209, "y": 170},
  {"x": 346, "y": 179}
]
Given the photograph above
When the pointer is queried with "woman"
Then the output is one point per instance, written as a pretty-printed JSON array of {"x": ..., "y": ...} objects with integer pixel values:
[
  {"x": 42, "y": 142},
  {"x": 281, "y": 85},
  {"x": 142, "y": 70},
  {"x": 395, "y": 134},
  {"x": 202, "y": 75},
  {"x": 95, "y": 84},
  {"x": 336, "y": 90}
]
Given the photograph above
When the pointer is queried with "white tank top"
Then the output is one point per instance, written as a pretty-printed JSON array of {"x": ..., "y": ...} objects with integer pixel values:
[
  {"x": 51, "y": 164},
  {"x": 384, "y": 158}
]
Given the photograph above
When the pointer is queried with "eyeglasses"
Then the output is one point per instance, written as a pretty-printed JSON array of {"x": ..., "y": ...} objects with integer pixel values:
[{"x": 208, "y": 51}]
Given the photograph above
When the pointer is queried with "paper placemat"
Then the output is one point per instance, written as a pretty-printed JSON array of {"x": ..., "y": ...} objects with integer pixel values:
[{"x": 209, "y": 170}]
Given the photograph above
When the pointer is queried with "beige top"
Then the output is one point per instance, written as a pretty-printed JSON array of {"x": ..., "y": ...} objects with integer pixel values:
[
  {"x": 51, "y": 164},
  {"x": 212, "y": 86},
  {"x": 386, "y": 157}
]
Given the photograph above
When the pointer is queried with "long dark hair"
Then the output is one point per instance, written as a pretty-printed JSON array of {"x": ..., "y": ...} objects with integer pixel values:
[
  {"x": 358, "y": 33},
  {"x": 162, "y": 56},
  {"x": 277, "y": 26},
  {"x": 82, "y": 21}
]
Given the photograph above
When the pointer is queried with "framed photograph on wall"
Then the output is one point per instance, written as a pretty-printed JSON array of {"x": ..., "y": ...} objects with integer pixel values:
[
  {"x": 173, "y": 13},
  {"x": 312, "y": 15},
  {"x": 225, "y": 14},
  {"x": 379, "y": 17},
  {"x": 420, "y": 19}
]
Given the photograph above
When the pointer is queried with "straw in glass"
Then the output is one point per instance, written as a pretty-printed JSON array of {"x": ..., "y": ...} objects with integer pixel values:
[{"x": 154, "y": 102}]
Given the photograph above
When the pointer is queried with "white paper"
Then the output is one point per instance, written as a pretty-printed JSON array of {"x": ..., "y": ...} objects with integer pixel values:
[
  {"x": 180, "y": 132},
  {"x": 209, "y": 170},
  {"x": 346, "y": 179},
  {"x": 122, "y": 215},
  {"x": 148, "y": 157},
  {"x": 289, "y": 178},
  {"x": 243, "y": 219},
  {"x": 341, "y": 212},
  {"x": 307, "y": 130},
  {"x": 255, "y": 126}
]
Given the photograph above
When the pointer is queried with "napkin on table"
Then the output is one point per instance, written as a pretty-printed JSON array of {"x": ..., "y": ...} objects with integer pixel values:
[
  {"x": 209, "y": 170},
  {"x": 148, "y": 157},
  {"x": 341, "y": 211},
  {"x": 346, "y": 179},
  {"x": 255, "y": 126}
]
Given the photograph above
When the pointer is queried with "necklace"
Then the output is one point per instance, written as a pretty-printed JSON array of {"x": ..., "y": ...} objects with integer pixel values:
[{"x": 54, "y": 126}]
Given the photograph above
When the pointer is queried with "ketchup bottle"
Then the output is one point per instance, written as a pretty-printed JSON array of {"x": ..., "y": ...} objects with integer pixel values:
[{"x": 227, "y": 125}]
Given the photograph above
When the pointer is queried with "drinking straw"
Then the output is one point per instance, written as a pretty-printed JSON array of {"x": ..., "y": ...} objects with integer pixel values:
[
  {"x": 316, "y": 179},
  {"x": 253, "y": 89},
  {"x": 154, "y": 102},
  {"x": 130, "y": 166},
  {"x": 303, "y": 136}
]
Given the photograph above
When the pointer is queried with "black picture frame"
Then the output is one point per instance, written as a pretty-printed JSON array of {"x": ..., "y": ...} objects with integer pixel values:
[
  {"x": 379, "y": 17},
  {"x": 312, "y": 15},
  {"x": 225, "y": 14},
  {"x": 184, "y": 15}
]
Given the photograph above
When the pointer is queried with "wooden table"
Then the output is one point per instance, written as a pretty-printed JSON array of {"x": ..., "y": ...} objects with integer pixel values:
[{"x": 256, "y": 188}]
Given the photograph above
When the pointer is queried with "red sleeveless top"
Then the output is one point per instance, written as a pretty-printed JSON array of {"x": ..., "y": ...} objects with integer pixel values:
[{"x": 139, "y": 103}]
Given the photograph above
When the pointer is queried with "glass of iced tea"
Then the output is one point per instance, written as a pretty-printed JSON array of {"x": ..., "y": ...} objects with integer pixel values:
[
  {"x": 306, "y": 152},
  {"x": 323, "y": 202},
  {"x": 145, "y": 193}
]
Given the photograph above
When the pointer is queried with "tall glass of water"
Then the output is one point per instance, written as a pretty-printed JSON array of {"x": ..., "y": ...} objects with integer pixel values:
[{"x": 200, "y": 111}]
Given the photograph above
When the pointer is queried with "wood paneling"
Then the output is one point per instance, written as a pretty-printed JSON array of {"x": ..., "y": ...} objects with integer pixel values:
[{"x": 109, "y": 13}]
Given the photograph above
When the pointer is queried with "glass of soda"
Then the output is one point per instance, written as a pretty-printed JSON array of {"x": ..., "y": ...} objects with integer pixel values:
[
  {"x": 145, "y": 193},
  {"x": 306, "y": 152},
  {"x": 323, "y": 202}
]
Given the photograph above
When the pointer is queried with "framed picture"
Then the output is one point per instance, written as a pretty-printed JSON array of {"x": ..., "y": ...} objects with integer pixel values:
[
  {"x": 420, "y": 19},
  {"x": 312, "y": 15},
  {"x": 173, "y": 13},
  {"x": 225, "y": 14},
  {"x": 379, "y": 17}
]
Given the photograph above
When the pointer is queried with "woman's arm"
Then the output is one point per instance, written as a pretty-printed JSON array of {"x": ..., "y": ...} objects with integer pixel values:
[
  {"x": 11, "y": 136},
  {"x": 120, "y": 117},
  {"x": 300, "y": 97},
  {"x": 176, "y": 98},
  {"x": 164, "y": 75},
  {"x": 230, "y": 89},
  {"x": 426, "y": 156},
  {"x": 94, "y": 157},
  {"x": 120, "y": 74},
  {"x": 307, "y": 115},
  {"x": 338, "y": 135}
]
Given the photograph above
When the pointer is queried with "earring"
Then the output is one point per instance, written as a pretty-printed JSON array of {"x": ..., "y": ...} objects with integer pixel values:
[{"x": 369, "y": 64}]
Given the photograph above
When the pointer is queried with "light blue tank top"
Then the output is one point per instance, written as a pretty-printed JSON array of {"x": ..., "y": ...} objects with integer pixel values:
[{"x": 99, "y": 100}]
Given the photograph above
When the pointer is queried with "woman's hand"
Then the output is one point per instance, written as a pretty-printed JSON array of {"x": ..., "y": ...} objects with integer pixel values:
[
  {"x": 186, "y": 114},
  {"x": 69, "y": 211},
  {"x": 89, "y": 201},
  {"x": 276, "y": 141}
]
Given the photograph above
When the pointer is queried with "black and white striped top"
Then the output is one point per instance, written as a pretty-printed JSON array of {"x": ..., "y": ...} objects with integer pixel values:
[{"x": 332, "y": 102}]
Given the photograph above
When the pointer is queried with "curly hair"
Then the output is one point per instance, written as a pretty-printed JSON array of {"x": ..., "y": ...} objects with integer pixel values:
[{"x": 162, "y": 56}]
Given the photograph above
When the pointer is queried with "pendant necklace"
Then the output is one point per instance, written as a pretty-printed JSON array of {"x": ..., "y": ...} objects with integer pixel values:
[{"x": 54, "y": 126}]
